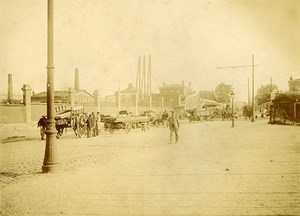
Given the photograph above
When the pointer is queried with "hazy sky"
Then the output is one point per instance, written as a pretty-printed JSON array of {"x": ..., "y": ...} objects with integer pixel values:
[{"x": 187, "y": 40}]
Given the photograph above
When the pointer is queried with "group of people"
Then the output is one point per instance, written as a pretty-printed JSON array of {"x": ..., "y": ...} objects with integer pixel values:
[{"x": 93, "y": 126}]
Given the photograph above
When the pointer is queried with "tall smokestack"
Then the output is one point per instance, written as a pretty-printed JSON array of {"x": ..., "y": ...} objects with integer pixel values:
[
  {"x": 76, "y": 80},
  {"x": 10, "y": 89}
]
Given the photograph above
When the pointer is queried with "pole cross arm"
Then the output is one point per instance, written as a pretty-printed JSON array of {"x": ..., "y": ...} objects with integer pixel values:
[{"x": 238, "y": 66}]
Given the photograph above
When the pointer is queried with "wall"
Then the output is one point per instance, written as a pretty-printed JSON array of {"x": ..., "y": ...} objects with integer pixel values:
[{"x": 10, "y": 114}]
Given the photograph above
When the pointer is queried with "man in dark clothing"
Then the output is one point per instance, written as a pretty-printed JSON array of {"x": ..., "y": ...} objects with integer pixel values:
[
  {"x": 94, "y": 122},
  {"x": 173, "y": 124},
  {"x": 42, "y": 125},
  {"x": 89, "y": 124}
]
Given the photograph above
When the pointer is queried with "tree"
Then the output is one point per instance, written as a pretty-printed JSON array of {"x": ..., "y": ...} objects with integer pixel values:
[
  {"x": 263, "y": 94},
  {"x": 223, "y": 92}
]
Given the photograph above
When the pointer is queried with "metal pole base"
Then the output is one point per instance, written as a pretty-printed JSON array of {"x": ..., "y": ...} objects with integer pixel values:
[
  {"x": 46, "y": 168},
  {"x": 50, "y": 163}
]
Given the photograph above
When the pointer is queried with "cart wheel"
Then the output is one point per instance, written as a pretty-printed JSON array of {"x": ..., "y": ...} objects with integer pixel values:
[
  {"x": 58, "y": 135},
  {"x": 143, "y": 127},
  {"x": 111, "y": 130},
  {"x": 147, "y": 126},
  {"x": 127, "y": 128},
  {"x": 80, "y": 131},
  {"x": 106, "y": 126}
]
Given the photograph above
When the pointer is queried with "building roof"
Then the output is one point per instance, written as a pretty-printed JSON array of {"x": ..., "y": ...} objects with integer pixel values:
[
  {"x": 288, "y": 95},
  {"x": 294, "y": 80},
  {"x": 173, "y": 86},
  {"x": 130, "y": 89},
  {"x": 61, "y": 93},
  {"x": 56, "y": 93}
]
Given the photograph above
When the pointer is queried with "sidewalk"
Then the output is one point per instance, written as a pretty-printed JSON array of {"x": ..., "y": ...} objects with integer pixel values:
[{"x": 252, "y": 169}]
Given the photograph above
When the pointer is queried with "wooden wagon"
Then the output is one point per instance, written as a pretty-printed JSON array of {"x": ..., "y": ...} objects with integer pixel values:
[{"x": 124, "y": 121}]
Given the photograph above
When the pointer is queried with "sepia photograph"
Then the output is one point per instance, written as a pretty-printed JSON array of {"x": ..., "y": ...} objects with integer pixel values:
[{"x": 150, "y": 107}]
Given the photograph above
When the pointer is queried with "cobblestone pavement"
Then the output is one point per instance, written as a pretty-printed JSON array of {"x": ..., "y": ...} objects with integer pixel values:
[
  {"x": 252, "y": 169},
  {"x": 24, "y": 158}
]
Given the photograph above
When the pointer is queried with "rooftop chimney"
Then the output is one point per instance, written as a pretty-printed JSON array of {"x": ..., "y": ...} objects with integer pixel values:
[
  {"x": 10, "y": 89},
  {"x": 76, "y": 80}
]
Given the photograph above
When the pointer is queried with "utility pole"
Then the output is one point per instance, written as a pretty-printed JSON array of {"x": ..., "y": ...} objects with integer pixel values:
[
  {"x": 252, "y": 119},
  {"x": 144, "y": 75},
  {"x": 150, "y": 74},
  {"x": 243, "y": 66},
  {"x": 119, "y": 98},
  {"x": 140, "y": 87},
  {"x": 50, "y": 158},
  {"x": 248, "y": 93}
]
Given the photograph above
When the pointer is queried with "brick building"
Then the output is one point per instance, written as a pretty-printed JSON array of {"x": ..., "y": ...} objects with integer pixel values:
[{"x": 173, "y": 94}]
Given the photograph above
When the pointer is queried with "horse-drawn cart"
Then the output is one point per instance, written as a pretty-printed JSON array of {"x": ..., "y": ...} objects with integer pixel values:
[
  {"x": 199, "y": 115},
  {"x": 124, "y": 121},
  {"x": 70, "y": 118}
]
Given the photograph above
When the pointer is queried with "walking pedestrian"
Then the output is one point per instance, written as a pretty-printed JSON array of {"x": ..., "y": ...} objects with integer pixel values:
[
  {"x": 98, "y": 119},
  {"x": 164, "y": 118},
  {"x": 42, "y": 125},
  {"x": 89, "y": 123},
  {"x": 173, "y": 124},
  {"x": 94, "y": 122}
]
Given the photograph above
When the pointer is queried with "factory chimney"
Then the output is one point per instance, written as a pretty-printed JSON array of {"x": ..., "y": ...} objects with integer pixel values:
[
  {"x": 10, "y": 89},
  {"x": 76, "y": 80}
]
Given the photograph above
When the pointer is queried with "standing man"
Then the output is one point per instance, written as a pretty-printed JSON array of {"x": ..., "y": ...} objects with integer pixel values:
[
  {"x": 89, "y": 123},
  {"x": 164, "y": 118},
  {"x": 98, "y": 119},
  {"x": 42, "y": 125},
  {"x": 94, "y": 122},
  {"x": 173, "y": 124}
]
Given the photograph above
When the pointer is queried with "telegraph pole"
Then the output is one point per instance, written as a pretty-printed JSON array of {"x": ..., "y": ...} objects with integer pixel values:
[
  {"x": 50, "y": 158},
  {"x": 252, "y": 118},
  {"x": 144, "y": 75},
  {"x": 248, "y": 93},
  {"x": 150, "y": 75},
  {"x": 242, "y": 66}
]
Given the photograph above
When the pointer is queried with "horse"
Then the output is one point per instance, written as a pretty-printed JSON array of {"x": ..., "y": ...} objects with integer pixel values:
[{"x": 247, "y": 112}]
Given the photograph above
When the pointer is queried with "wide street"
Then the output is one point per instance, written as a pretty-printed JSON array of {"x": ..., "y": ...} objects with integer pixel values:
[{"x": 252, "y": 169}]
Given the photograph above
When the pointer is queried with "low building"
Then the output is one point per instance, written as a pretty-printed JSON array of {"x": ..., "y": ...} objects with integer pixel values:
[
  {"x": 285, "y": 107},
  {"x": 128, "y": 96},
  {"x": 294, "y": 85},
  {"x": 81, "y": 97},
  {"x": 173, "y": 94}
]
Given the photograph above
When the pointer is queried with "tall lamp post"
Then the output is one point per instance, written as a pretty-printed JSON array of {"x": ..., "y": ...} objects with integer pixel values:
[
  {"x": 50, "y": 157},
  {"x": 232, "y": 108}
]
